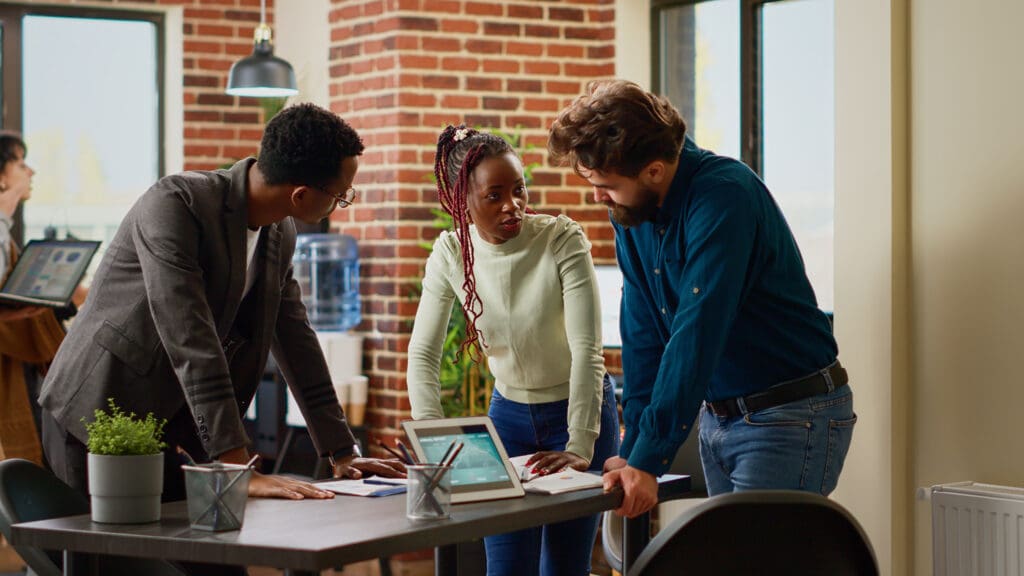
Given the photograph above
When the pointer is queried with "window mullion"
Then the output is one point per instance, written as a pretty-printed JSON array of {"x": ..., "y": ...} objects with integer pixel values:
[{"x": 751, "y": 118}]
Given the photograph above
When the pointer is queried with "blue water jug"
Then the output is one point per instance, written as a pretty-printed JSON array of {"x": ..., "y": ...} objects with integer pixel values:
[{"x": 326, "y": 266}]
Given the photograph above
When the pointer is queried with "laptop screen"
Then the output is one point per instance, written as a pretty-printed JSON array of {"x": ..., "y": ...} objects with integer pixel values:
[{"x": 47, "y": 271}]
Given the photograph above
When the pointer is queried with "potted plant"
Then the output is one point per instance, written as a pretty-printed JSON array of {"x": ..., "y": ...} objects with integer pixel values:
[{"x": 125, "y": 466}]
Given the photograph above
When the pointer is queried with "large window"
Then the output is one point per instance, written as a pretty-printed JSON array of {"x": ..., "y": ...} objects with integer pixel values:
[
  {"x": 754, "y": 80},
  {"x": 84, "y": 88}
]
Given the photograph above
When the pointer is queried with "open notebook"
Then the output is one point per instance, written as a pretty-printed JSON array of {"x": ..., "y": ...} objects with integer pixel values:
[
  {"x": 375, "y": 486},
  {"x": 567, "y": 480}
]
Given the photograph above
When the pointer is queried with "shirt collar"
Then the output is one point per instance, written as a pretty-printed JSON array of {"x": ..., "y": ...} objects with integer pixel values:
[{"x": 689, "y": 160}]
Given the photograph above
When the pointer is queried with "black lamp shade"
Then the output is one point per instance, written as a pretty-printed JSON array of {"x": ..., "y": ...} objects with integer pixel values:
[{"x": 262, "y": 75}]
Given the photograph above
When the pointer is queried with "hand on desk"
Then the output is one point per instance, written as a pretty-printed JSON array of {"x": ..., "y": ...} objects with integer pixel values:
[
  {"x": 267, "y": 486},
  {"x": 640, "y": 489},
  {"x": 549, "y": 462},
  {"x": 354, "y": 467}
]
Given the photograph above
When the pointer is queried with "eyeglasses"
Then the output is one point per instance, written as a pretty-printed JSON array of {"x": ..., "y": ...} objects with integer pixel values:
[{"x": 345, "y": 199}]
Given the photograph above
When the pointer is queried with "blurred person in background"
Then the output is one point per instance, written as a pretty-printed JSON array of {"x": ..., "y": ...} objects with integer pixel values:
[{"x": 15, "y": 188}]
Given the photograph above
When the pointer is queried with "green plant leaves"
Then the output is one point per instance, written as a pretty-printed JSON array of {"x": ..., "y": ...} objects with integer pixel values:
[{"x": 120, "y": 434}]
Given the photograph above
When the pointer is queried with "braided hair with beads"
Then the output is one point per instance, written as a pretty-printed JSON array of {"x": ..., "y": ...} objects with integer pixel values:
[{"x": 460, "y": 150}]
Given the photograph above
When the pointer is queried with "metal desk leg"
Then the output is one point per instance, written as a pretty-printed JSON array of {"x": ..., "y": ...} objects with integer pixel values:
[
  {"x": 79, "y": 564},
  {"x": 446, "y": 560},
  {"x": 636, "y": 533}
]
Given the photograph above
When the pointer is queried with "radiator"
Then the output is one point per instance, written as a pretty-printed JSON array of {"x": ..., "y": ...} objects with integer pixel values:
[{"x": 977, "y": 530}]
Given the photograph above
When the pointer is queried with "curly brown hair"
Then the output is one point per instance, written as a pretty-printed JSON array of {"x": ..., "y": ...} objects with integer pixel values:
[{"x": 616, "y": 126}]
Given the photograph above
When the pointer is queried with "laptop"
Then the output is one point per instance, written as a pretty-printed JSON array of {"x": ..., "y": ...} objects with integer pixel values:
[
  {"x": 482, "y": 471},
  {"x": 47, "y": 273}
]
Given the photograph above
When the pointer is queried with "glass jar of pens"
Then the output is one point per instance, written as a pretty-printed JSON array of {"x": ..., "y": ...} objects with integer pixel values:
[
  {"x": 217, "y": 494},
  {"x": 429, "y": 493}
]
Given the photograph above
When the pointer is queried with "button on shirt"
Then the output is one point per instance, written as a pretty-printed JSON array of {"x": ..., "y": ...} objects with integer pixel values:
[{"x": 716, "y": 304}]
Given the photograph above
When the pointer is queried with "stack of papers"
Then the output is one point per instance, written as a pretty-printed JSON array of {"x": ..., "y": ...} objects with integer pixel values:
[
  {"x": 566, "y": 480},
  {"x": 366, "y": 487}
]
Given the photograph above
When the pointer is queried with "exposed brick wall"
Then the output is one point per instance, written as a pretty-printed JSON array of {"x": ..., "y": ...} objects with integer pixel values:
[
  {"x": 219, "y": 128},
  {"x": 401, "y": 70}
]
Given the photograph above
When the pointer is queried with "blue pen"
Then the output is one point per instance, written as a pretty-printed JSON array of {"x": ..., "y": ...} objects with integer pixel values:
[
  {"x": 405, "y": 452},
  {"x": 385, "y": 481}
]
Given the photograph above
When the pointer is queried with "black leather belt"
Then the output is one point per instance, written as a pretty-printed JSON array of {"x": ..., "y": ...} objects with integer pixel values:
[{"x": 822, "y": 381}]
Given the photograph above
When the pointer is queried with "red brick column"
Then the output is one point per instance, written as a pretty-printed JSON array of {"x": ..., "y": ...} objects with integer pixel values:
[{"x": 401, "y": 70}]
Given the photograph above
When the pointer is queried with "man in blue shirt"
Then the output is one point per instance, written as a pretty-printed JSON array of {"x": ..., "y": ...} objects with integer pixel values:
[{"x": 717, "y": 313}]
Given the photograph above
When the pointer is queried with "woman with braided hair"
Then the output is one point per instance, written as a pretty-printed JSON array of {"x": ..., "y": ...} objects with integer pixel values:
[{"x": 528, "y": 291}]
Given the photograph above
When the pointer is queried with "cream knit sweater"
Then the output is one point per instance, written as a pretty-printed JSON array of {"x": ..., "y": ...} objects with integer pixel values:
[{"x": 541, "y": 322}]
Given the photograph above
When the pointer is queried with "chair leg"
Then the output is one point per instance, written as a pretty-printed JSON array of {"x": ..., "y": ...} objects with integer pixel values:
[
  {"x": 289, "y": 439},
  {"x": 636, "y": 533}
]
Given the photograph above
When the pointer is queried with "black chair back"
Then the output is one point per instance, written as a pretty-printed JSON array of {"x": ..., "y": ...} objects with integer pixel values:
[
  {"x": 760, "y": 532},
  {"x": 29, "y": 493}
]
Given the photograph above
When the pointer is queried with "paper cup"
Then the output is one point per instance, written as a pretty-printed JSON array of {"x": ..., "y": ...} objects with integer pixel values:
[
  {"x": 341, "y": 390},
  {"x": 357, "y": 391}
]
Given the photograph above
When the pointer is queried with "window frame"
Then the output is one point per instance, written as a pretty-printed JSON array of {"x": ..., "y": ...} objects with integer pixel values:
[
  {"x": 11, "y": 83},
  {"x": 751, "y": 72}
]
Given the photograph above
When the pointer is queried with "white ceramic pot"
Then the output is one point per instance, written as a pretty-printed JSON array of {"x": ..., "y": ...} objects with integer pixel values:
[{"x": 126, "y": 489}]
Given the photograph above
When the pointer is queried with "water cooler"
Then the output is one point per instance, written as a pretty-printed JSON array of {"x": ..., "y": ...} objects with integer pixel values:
[{"x": 326, "y": 266}]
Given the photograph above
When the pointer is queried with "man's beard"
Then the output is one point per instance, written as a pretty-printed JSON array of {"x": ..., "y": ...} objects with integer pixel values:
[{"x": 645, "y": 211}]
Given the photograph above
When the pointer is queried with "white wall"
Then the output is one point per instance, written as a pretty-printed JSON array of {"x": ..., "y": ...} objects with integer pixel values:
[
  {"x": 968, "y": 256},
  {"x": 633, "y": 41},
  {"x": 302, "y": 37},
  {"x": 870, "y": 267}
]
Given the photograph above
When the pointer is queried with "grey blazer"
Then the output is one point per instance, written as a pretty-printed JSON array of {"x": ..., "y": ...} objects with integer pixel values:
[{"x": 164, "y": 323}]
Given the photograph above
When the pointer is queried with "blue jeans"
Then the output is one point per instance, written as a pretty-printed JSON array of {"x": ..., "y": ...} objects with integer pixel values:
[
  {"x": 561, "y": 549},
  {"x": 795, "y": 446}
]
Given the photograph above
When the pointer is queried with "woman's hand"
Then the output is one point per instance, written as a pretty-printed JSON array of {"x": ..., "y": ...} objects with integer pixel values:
[{"x": 549, "y": 462}]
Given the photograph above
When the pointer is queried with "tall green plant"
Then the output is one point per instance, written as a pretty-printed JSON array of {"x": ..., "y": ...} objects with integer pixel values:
[{"x": 466, "y": 385}]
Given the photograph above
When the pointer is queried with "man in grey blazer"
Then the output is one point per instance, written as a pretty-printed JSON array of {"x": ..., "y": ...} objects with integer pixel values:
[{"x": 193, "y": 292}]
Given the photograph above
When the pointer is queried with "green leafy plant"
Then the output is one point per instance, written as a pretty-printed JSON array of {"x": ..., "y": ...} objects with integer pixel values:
[
  {"x": 466, "y": 385},
  {"x": 119, "y": 434}
]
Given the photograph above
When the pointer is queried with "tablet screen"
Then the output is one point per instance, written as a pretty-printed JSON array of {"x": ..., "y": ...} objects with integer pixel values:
[
  {"x": 478, "y": 463},
  {"x": 481, "y": 471}
]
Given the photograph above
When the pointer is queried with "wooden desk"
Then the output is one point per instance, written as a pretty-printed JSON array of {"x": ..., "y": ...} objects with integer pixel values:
[{"x": 314, "y": 535}]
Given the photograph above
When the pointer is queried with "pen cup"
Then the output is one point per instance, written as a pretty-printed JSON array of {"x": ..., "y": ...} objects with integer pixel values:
[
  {"x": 429, "y": 494},
  {"x": 217, "y": 494}
]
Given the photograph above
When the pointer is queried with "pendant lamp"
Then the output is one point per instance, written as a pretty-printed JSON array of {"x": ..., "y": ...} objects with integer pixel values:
[{"x": 262, "y": 75}]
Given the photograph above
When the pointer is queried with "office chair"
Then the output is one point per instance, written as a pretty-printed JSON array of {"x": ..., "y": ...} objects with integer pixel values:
[
  {"x": 28, "y": 493},
  {"x": 687, "y": 461},
  {"x": 761, "y": 532}
]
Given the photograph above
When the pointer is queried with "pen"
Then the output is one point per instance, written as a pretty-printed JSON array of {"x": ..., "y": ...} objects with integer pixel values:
[
  {"x": 391, "y": 451},
  {"x": 405, "y": 451},
  {"x": 385, "y": 481},
  {"x": 435, "y": 480},
  {"x": 447, "y": 452}
]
